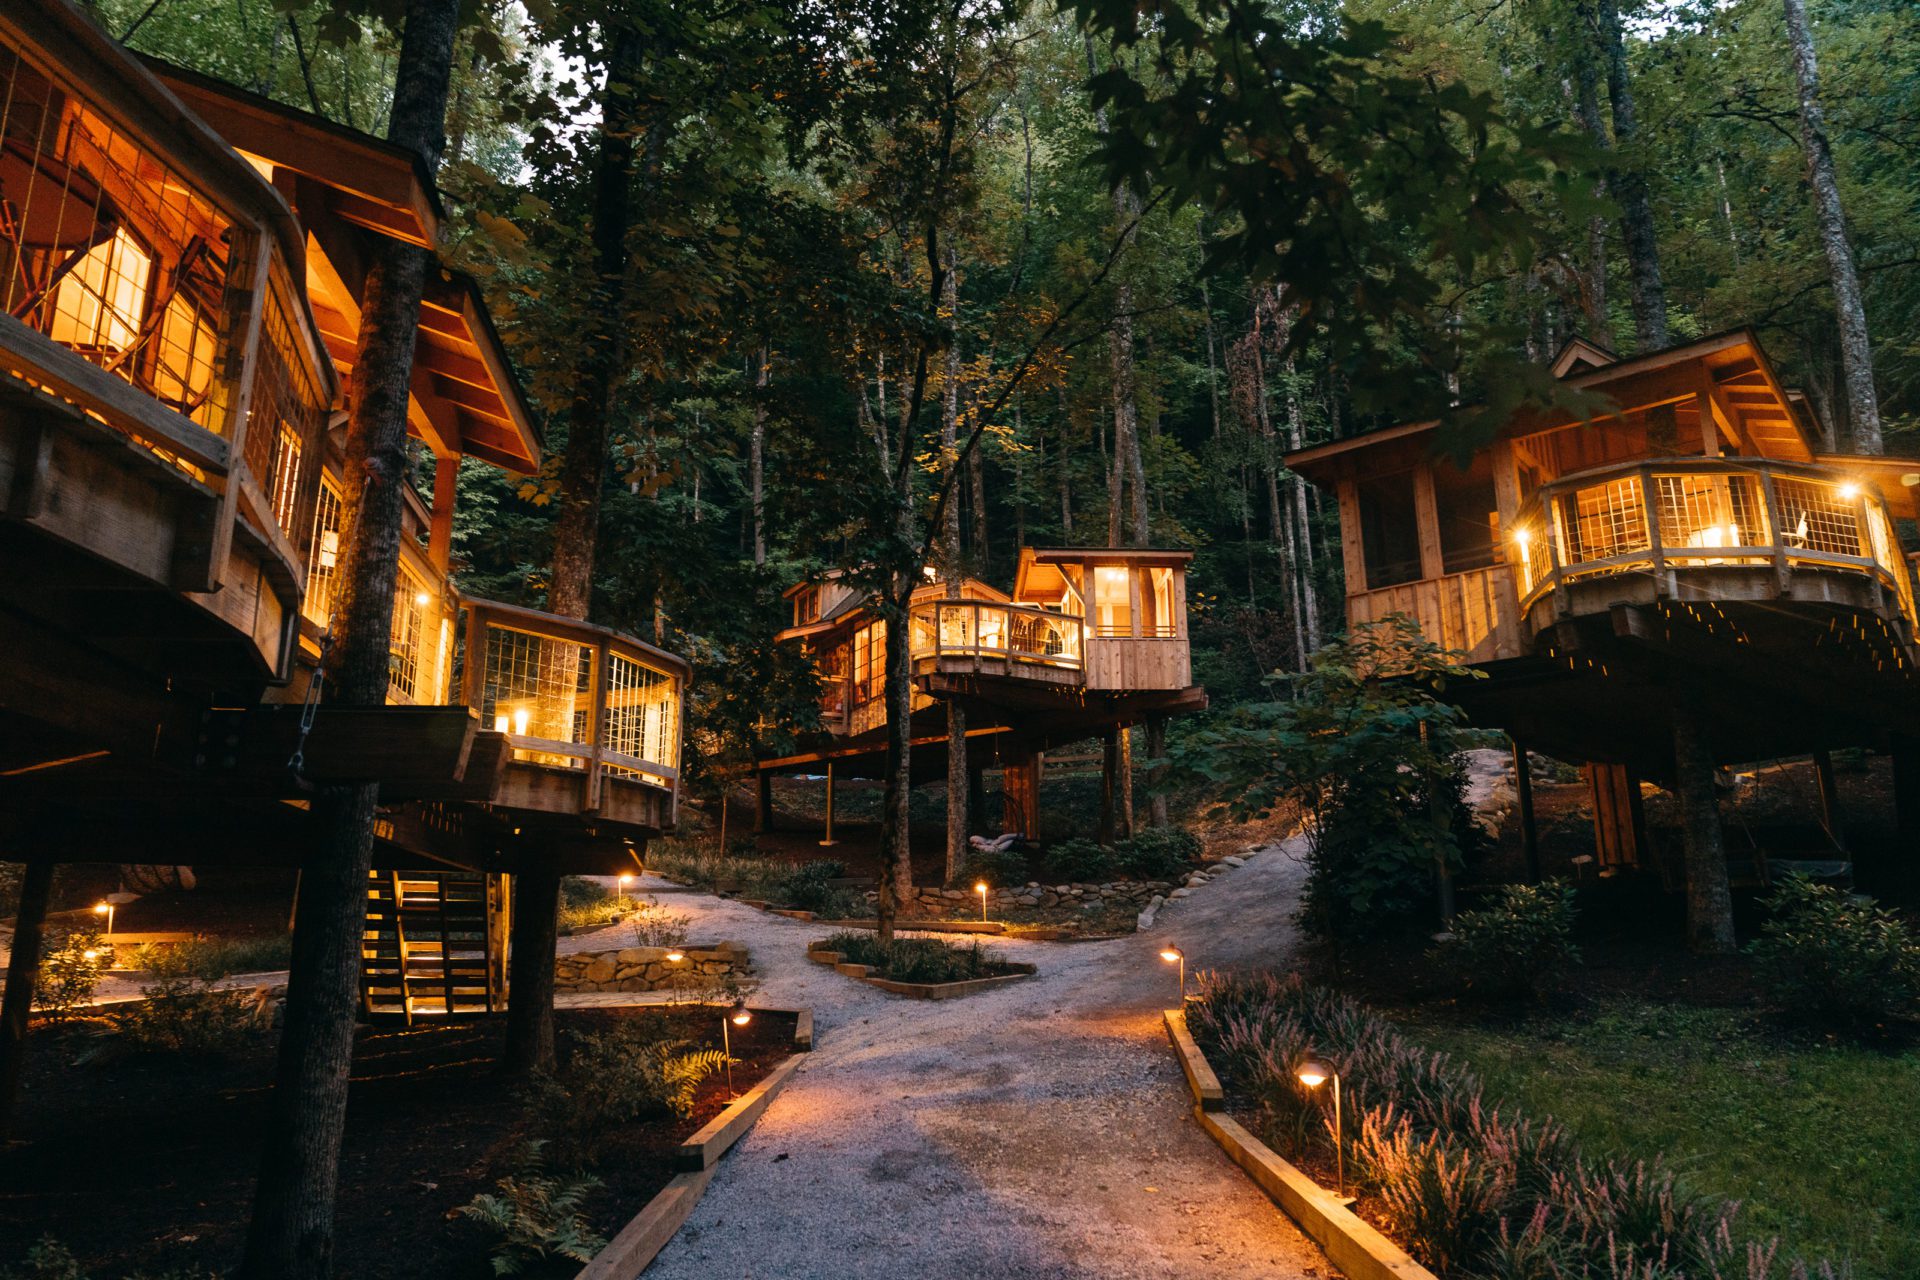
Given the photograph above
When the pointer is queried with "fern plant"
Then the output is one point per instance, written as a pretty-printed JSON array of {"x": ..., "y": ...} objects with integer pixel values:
[
  {"x": 537, "y": 1216},
  {"x": 680, "y": 1075}
]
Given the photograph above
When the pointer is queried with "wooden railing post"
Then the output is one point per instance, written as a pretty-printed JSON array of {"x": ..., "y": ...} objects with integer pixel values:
[
  {"x": 1651, "y": 513},
  {"x": 1776, "y": 531},
  {"x": 473, "y": 672},
  {"x": 596, "y": 724}
]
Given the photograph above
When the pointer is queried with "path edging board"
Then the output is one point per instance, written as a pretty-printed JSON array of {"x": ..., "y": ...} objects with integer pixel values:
[
  {"x": 638, "y": 1243},
  {"x": 1350, "y": 1243}
]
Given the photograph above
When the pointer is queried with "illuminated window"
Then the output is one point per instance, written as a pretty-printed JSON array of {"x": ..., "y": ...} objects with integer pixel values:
[
  {"x": 100, "y": 303},
  {"x": 869, "y": 661},
  {"x": 323, "y": 554},
  {"x": 284, "y": 489},
  {"x": 1157, "y": 617},
  {"x": 403, "y": 648},
  {"x": 183, "y": 361},
  {"x": 1112, "y": 601}
]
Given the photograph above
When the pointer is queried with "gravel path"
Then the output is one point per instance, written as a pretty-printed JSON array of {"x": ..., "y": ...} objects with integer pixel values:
[{"x": 1036, "y": 1130}]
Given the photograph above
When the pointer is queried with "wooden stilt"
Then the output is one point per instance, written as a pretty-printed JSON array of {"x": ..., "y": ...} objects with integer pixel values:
[
  {"x": 23, "y": 966},
  {"x": 1529, "y": 829},
  {"x": 1830, "y": 815},
  {"x": 763, "y": 813},
  {"x": 958, "y": 792},
  {"x": 1109, "y": 785},
  {"x": 829, "y": 842},
  {"x": 1156, "y": 773},
  {"x": 1020, "y": 794},
  {"x": 1709, "y": 899},
  {"x": 1125, "y": 770}
]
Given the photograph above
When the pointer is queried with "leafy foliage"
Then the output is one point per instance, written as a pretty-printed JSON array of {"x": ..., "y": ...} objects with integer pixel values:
[
  {"x": 184, "y": 1012},
  {"x": 1080, "y": 859},
  {"x": 928, "y": 960},
  {"x": 631, "y": 1071},
  {"x": 999, "y": 868},
  {"x": 1154, "y": 853},
  {"x": 1836, "y": 959},
  {"x": 69, "y": 973},
  {"x": 1521, "y": 943},
  {"x": 537, "y": 1216},
  {"x": 1363, "y": 748}
]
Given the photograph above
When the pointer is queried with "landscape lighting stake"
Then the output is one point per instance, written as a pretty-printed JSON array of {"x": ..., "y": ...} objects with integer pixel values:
[
  {"x": 1174, "y": 955},
  {"x": 1313, "y": 1073},
  {"x": 739, "y": 1016},
  {"x": 104, "y": 908},
  {"x": 619, "y": 896},
  {"x": 981, "y": 889}
]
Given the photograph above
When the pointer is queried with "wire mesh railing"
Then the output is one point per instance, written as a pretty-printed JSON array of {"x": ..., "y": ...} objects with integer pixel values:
[
  {"x": 1676, "y": 514},
  {"x": 1015, "y": 633}
]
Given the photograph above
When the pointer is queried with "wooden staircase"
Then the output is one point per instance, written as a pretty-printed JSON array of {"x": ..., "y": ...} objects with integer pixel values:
[{"x": 435, "y": 944}]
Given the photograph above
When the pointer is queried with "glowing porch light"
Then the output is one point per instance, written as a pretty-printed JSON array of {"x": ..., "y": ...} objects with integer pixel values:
[
  {"x": 521, "y": 717},
  {"x": 422, "y": 599},
  {"x": 500, "y": 723},
  {"x": 1849, "y": 491},
  {"x": 739, "y": 1016}
]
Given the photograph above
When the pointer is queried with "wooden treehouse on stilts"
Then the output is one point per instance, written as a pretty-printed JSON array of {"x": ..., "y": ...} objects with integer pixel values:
[
  {"x": 1685, "y": 581},
  {"x": 182, "y": 266},
  {"x": 1090, "y": 643}
]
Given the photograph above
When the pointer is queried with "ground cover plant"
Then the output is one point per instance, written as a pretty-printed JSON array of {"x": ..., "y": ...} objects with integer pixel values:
[
  {"x": 1836, "y": 959},
  {"x": 801, "y": 886},
  {"x": 929, "y": 960},
  {"x": 1475, "y": 1187},
  {"x": 1155, "y": 853},
  {"x": 1521, "y": 943}
]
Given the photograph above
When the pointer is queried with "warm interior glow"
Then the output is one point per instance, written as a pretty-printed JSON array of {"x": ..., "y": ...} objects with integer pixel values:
[
  {"x": 422, "y": 599},
  {"x": 500, "y": 723},
  {"x": 1849, "y": 491},
  {"x": 521, "y": 716},
  {"x": 1522, "y": 537}
]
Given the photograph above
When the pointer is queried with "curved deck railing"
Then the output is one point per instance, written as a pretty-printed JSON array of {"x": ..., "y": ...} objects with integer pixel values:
[
  {"x": 1014, "y": 633},
  {"x": 574, "y": 696},
  {"x": 1681, "y": 514}
]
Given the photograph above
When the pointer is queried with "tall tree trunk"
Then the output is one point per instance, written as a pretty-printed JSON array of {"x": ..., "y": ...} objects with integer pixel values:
[
  {"x": 1709, "y": 901},
  {"x": 1628, "y": 182},
  {"x": 896, "y": 849},
  {"x": 1157, "y": 772},
  {"x": 1856, "y": 351},
  {"x": 757, "y": 456},
  {"x": 1127, "y": 469},
  {"x": 291, "y": 1233},
  {"x": 1593, "y": 298},
  {"x": 952, "y": 574}
]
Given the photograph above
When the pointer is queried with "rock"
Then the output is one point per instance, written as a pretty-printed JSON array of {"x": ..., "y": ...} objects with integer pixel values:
[
  {"x": 1232, "y": 861},
  {"x": 1181, "y": 893},
  {"x": 602, "y": 968},
  {"x": 1145, "y": 918},
  {"x": 1158, "y": 898}
]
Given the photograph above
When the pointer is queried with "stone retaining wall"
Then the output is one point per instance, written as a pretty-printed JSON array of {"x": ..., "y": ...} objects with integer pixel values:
[
  {"x": 1133, "y": 893},
  {"x": 647, "y": 968}
]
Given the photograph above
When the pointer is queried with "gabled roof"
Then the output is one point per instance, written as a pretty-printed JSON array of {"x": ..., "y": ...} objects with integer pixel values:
[
  {"x": 1732, "y": 369},
  {"x": 466, "y": 398}
]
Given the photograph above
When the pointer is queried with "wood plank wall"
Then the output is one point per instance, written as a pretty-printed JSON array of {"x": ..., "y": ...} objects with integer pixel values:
[{"x": 1476, "y": 612}]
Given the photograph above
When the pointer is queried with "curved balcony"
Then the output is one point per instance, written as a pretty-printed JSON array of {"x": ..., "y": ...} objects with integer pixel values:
[
  {"x": 1707, "y": 529},
  {"x": 591, "y": 717},
  {"x": 982, "y": 637}
]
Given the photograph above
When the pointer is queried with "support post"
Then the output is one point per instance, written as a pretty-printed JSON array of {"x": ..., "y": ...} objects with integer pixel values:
[
  {"x": 828, "y": 843},
  {"x": 23, "y": 966},
  {"x": 763, "y": 809},
  {"x": 957, "y": 790},
  {"x": 1529, "y": 829},
  {"x": 1156, "y": 773},
  {"x": 1109, "y": 787},
  {"x": 1709, "y": 899},
  {"x": 530, "y": 961},
  {"x": 1125, "y": 771},
  {"x": 1830, "y": 815},
  {"x": 1020, "y": 794}
]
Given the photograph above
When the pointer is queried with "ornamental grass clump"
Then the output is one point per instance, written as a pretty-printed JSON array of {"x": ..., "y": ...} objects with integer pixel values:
[
  {"x": 925, "y": 960},
  {"x": 1474, "y": 1191}
]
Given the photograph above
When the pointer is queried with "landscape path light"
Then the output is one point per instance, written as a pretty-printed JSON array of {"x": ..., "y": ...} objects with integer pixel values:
[
  {"x": 1174, "y": 955},
  {"x": 981, "y": 889},
  {"x": 1313, "y": 1073},
  {"x": 620, "y": 894},
  {"x": 105, "y": 908},
  {"x": 739, "y": 1016}
]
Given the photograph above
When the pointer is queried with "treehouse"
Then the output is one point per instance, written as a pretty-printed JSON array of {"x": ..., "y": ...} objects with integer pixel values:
[
  {"x": 1690, "y": 552},
  {"x": 1090, "y": 642},
  {"x": 182, "y": 266}
]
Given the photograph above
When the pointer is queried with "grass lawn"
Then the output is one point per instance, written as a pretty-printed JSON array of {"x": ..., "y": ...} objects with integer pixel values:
[{"x": 1818, "y": 1143}]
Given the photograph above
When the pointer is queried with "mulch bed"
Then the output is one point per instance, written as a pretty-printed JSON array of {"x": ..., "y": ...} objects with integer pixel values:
[{"x": 147, "y": 1162}]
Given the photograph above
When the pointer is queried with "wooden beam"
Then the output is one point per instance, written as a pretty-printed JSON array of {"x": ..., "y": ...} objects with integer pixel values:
[
  {"x": 446, "y": 476},
  {"x": 1352, "y": 549},
  {"x": 1426, "y": 514}
]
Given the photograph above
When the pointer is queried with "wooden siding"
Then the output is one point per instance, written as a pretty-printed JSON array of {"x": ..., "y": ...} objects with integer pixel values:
[
  {"x": 1476, "y": 612},
  {"x": 1128, "y": 664}
]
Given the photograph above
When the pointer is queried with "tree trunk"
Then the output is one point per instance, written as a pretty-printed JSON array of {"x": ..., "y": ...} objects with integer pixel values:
[
  {"x": 291, "y": 1233},
  {"x": 952, "y": 574},
  {"x": 1628, "y": 182},
  {"x": 1856, "y": 351},
  {"x": 1593, "y": 298},
  {"x": 1123, "y": 769},
  {"x": 1709, "y": 901},
  {"x": 896, "y": 849},
  {"x": 23, "y": 967},
  {"x": 1105, "y": 831},
  {"x": 536, "y": 936},
  {"x": 757, "y": 458},
  {"x": 1157, "y": 772}
]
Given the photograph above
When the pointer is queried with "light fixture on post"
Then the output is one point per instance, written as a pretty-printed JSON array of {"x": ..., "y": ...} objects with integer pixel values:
[
  {"x": 1174, "y": 955},
  {"x": 105, "y": 908},
  {"x": 981, "y": 889},
  {"x": 739, "y": 1016},
  {"x": 620, "y": 894},
  {"x": 1313, "y": 1073}
]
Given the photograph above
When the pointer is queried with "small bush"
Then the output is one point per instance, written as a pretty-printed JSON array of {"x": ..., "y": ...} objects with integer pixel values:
[
  {"x": 1522, "y": 943},
  {"x": 1837, "y": 959},
  {"x": 69, "y": 973},
  {"x": 1081, "y": 860},
  {"x": 50, "y": 1260},
  {"x": 537, "y": 1217},
  {"x": 183, "y": 1012},
  {"x": 806, "y": 889},
  {"x": 631, "y": 1071},
  {"x": 1000, "y": 868},
  {"x": 654, "y": 926},
  {"x": 916, "y": 959},
  {"x": 584, "y": 904},
  {"x": 1158, "y": 853},
  {"x": 212, "y": 959}
]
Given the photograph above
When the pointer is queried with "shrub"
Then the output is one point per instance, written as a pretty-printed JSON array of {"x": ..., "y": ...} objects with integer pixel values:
[
  {"x": 915, "y": 959},
  {"x": 50, "y": 1260},
  {"x": 630, "y": 1071},
  {"x": 183, "y": 1011},
  {"x": 1082, "y": 860},
  {"x": 1468, "y": 1190},
  {"x": 212, "y": 959},
  {"x": 585, "y": 904},
  {"x": 1000, "y": 868},
  {"x": 1158, "y": 853},
  {"x": 654, "y": 926},
  {"x": 1836, "y": 958},
  {"x": 805, "y": 887},
  {"x": 537, "y": 1217},
  {"x": 69, "y": 974},
  {"x": 1522, "y": 943}
]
